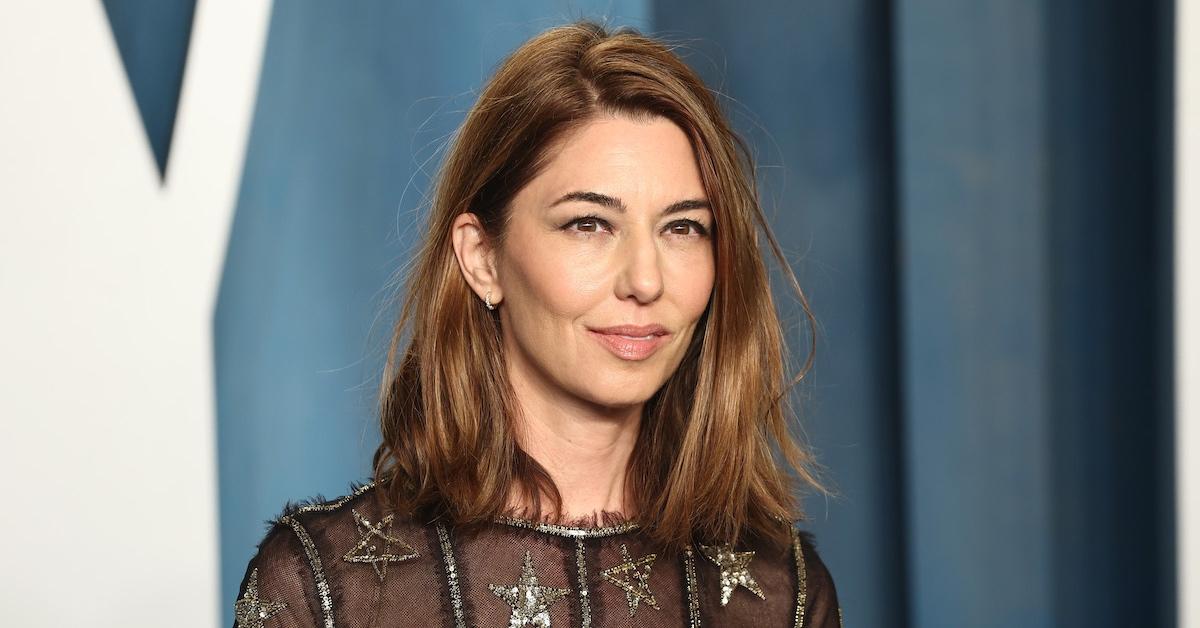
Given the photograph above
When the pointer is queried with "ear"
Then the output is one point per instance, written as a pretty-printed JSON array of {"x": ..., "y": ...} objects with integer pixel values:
[{"x": 476, "y": 258}]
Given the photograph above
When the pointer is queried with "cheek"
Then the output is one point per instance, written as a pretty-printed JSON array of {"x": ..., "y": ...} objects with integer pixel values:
[
  {"x": 549, "y": 284},
  {"x": 693, "y": 277}
]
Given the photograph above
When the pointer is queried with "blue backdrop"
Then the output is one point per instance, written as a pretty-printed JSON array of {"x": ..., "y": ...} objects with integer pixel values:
[{"x": 974, "y": 194}]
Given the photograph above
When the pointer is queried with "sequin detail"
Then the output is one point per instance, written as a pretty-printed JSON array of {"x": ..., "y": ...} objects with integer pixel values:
[
  {"x": 324, "y": 594},
  {"x": 734, "y": 568},
  {"x": 802, "y": 580},
  {"x": 314, "y": 561},
  {"x": 334, "y": 505},
  {"x": 529, "y": 600},
  {"x": 585, "y": 605},
  {"x": 371, "y": 536},
  {"x": 251, "y": 610},
  {"x": 568, "y": 531},
  {"x": 633, "y": 577},
  {"x": 456, "y": 601},
  {"x": 579, "y": 545},
  {"x": 693, "y": 591}
]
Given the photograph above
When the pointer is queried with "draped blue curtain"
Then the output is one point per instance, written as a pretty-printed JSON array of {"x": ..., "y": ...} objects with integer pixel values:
[{"x": 975, "y": 196}]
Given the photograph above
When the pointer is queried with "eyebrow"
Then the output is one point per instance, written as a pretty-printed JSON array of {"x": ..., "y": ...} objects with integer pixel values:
[{"x": 618, "y": 205}]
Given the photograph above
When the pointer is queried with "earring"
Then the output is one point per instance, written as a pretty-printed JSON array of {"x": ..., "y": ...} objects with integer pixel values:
[{"x": 487, "y": 300}]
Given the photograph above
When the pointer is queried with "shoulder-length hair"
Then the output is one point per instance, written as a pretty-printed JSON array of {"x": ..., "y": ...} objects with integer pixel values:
[{"x": 714, "y": 455}]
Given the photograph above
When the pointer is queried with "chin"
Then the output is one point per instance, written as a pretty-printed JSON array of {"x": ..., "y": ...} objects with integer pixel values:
[
  {"x": 613, "y": 387},
  {"x": 619, "y": 398}
]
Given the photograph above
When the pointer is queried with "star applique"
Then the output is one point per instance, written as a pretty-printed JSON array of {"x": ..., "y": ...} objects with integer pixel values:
[
  {"x": 734, "y": 569},
  {"x": 371, "y": 537},
  {"x": 251, "y": 611},
  {"x": 529, "y": 600},
  {"x": 633, "y": 577}
]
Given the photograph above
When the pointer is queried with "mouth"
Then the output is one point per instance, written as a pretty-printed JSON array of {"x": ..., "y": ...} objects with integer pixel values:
[{"x": 631, "y": 342}]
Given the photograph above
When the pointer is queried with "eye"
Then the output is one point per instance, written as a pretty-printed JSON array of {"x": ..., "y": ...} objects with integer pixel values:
[
  {"x": 679, "y": 227},
  {"x": 587, "y": 224}
]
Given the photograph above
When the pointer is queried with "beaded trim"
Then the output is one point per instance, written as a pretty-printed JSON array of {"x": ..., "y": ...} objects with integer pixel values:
[
  {"x": 585, "y": 605},
  {"x": 801, "y": 579},
  {"x": 451, "y": 575},
  {"x": 568, "y": 531},
  {"x": 314, "y": 560},
  {"x": 334, "y": 505},
  {"x": 549, "y": 528},
  {"x": 693, "y": 591}
]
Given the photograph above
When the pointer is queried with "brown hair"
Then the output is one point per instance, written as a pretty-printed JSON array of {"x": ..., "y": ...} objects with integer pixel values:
[{"x": 714, "y": 451}]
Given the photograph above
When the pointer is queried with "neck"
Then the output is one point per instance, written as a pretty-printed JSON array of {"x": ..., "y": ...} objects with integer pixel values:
[{"x": 584, "y": 447}]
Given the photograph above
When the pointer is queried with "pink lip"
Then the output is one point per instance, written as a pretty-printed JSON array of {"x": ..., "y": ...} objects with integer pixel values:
[{"x": 618, "y": 340}]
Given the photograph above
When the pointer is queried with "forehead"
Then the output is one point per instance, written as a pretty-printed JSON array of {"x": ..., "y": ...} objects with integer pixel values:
[{"x": 616, "y": 154}]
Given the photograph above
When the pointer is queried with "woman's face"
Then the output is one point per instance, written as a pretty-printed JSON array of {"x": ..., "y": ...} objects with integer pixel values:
[{"x": 615, "y": 231}]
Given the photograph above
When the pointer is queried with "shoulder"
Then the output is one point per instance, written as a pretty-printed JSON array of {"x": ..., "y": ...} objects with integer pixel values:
[
  {"x": 293, "y": 533},
  {"x": 324, "y": 529},
  {"x": 320, "y": 512},
  {"x": 817, "y": 592},
  {"x": 316, "y": 547}
]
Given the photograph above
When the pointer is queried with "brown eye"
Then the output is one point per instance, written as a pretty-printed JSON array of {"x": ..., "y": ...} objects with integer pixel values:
[
  {"x": 685, "y": 225},
  {"x": 586, "y": 224}
]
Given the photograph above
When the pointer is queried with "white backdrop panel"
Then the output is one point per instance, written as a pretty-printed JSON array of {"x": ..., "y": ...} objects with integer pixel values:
[{"x": 108, "y": 282}]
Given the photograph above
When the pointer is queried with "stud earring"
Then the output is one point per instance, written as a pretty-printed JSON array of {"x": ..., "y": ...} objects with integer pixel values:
[{"x": 487, "y": 300}]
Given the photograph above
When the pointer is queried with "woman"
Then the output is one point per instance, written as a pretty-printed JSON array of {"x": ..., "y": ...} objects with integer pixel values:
[{"x": 587, "y": 424}]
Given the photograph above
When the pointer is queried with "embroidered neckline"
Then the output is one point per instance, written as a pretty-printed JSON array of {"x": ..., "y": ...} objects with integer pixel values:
[
  {"x": 568, "y": 530},
  {"x": 598, "y": 524}
]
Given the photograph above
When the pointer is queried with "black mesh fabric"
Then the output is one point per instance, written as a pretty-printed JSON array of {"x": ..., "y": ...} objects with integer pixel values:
[{"x": 343, "y": 562}]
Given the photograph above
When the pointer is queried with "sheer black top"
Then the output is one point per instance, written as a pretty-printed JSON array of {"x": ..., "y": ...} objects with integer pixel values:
[{"x": 344, "y": 562}]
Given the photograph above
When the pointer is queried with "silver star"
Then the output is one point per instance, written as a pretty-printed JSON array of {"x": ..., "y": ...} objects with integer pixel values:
[
  {"x": 368, "y": 552},
  {"x": 633, "y": 577},
  {"x": 530, "y": 601},
  {"x": 734, "y": 569},
  {"x": 251, "y": 611}
]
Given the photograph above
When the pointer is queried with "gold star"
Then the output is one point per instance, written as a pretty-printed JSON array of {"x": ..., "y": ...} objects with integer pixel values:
[
  {"x": 368, "y": 552},
  {"x": 634, "y": 578},
  {"x": 734, "y": 570},
  {"x": 251, "y": 611},
  {"x": 530, "y": 601}
]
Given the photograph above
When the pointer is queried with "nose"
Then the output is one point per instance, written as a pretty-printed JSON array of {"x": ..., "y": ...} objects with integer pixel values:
[{"x": 641, "y": 274}]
